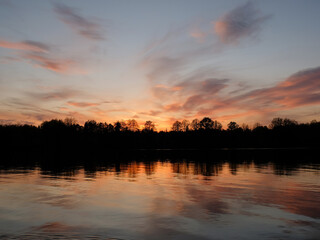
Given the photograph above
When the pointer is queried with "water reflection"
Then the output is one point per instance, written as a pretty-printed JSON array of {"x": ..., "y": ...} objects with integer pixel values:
[{"x": 157, "y": 195}]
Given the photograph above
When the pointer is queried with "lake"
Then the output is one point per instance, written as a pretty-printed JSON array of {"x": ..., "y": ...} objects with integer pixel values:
[{"x": 162, "y": 195}]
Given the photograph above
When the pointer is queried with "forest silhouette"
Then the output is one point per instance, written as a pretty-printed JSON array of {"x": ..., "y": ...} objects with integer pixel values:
[{"x": 68, "y": 135}]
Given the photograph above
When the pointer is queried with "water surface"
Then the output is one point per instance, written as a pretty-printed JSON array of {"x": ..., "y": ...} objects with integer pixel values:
[{"x": 164, "y": 198}]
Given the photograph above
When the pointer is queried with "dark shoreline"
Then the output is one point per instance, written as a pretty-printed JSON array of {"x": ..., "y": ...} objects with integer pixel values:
[{"x": 66, "y": 136}]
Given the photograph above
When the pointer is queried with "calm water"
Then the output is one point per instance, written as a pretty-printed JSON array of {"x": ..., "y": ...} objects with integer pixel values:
[{"x": 163, "y": 198}]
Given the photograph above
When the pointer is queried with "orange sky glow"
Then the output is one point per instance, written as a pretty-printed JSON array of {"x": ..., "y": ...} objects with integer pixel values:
[{"x": 227, "y": 60}]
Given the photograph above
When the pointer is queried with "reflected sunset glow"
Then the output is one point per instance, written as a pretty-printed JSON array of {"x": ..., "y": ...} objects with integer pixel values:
[{"x": 179, "y": 198}]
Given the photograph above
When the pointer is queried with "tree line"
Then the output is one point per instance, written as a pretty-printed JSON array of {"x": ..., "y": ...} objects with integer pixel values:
[{"x": 58, "y": 134}]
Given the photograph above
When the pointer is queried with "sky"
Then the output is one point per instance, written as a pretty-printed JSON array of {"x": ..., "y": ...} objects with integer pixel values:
[{"x": 243, "y": 61}]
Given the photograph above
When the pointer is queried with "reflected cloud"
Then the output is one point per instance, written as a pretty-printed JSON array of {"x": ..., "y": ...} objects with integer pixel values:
[
  {"x": 197, "y": 186},
  {"x": 54, "y": 227},
  {"x": 210, "y": 201}
]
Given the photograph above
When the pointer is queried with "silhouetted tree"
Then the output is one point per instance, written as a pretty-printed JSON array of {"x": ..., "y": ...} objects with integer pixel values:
[
  {"x": 70, "y": 121},
  {"x": 56, "y": 134},
  {"x": 232, "y": 126},
  {"x": 217, "y": 125},
  {"x": 54, "y": 124},
  {"x": 117, "y": 126},
  {"x": 245, "y": 127},
  {"x": 149, "y": 126},
  {"x": 177, "y": 126},
  {"x": 206, "y": 123},
  {"x": 276, "y": 122},
  {"x": 109, "y": 128},
  {"x": 120, "y": 126},
  {"x": 132, "y": 125},
  {"x": 195, "y": 124},
  {"x": 313, "y": 122},
  {"x": 289, "y": 122},
  {"x": 91, "y": 126},
  {"x": 280, "y": 122},
  {"x": 257, "y": 124},
  {"x": 185, "y": 124}
]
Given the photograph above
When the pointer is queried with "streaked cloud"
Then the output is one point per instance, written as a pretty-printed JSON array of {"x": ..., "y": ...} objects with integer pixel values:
[
  {"x": 88, "y": 104},
  {"x": 198, "y": 34},
  {"x": 241, "y": 22},
  {"x": 151, "y": 113},
  {"x": 33, "y": 108},
  {"x": 25, "y": 45},
  {"x": 14, "y": 121},
  {"x": 41, "y": 55},
  {"x": 81, "y": 25},
  {"x": 302, "y": 88},
  {"x": 82, "y": 104},
  {"x": 53, "y": 63},
  {"x": 220, "y": 99},
  {"x": 54, "y": 95},
  {"x": 197, "y": 93},
  {"x": 162, "y": 67},
  {"x": 27, "y": 110}
]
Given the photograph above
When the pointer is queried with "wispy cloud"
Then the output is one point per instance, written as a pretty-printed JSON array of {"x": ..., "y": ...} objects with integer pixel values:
[
  {"x": 162, "y": 67},
  {"x": 151, "y": 113},
  {"x": 31, "y": 110},
  {"x": 88, "y": 104},
  {"x": 54, "y": 64},
  {"x": 41, "y": 55},
  {"x": 81, "y": 25},
  {"x": 82, "y": 104},
  {"x": 219, "y": 98},
  {"x": 25, "y": 45},
  {"x": 14, "y": 121},
  {"x": 54, "y": 95},
  {"x": 300, "y": 89},
  {"x": 241, "y": 22},
  {"x": 194, "y": 94},
  {"x": 198, "y": 34}
]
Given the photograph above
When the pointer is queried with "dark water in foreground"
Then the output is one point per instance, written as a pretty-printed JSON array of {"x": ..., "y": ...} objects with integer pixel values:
[{"x": 164, "y": 198}]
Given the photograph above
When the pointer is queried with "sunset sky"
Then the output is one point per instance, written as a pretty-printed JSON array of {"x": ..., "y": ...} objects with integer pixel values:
[{"x": 246, "y": 61}]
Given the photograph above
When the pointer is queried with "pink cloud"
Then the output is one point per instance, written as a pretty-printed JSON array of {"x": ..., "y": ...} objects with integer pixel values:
[
  {"x": 82, "y": 104},
  {"x": 302, "y": 88},
  {"x": 241, "y": 22},
  {"x": 40, "y": 54},
  {"x": 54, "y": 64},
  {"x": 206, "y": 98},
  {"x": 172, "y": 107},
  {"x": 25, "y": 45},
  {"x": 198, "y": 34}
]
